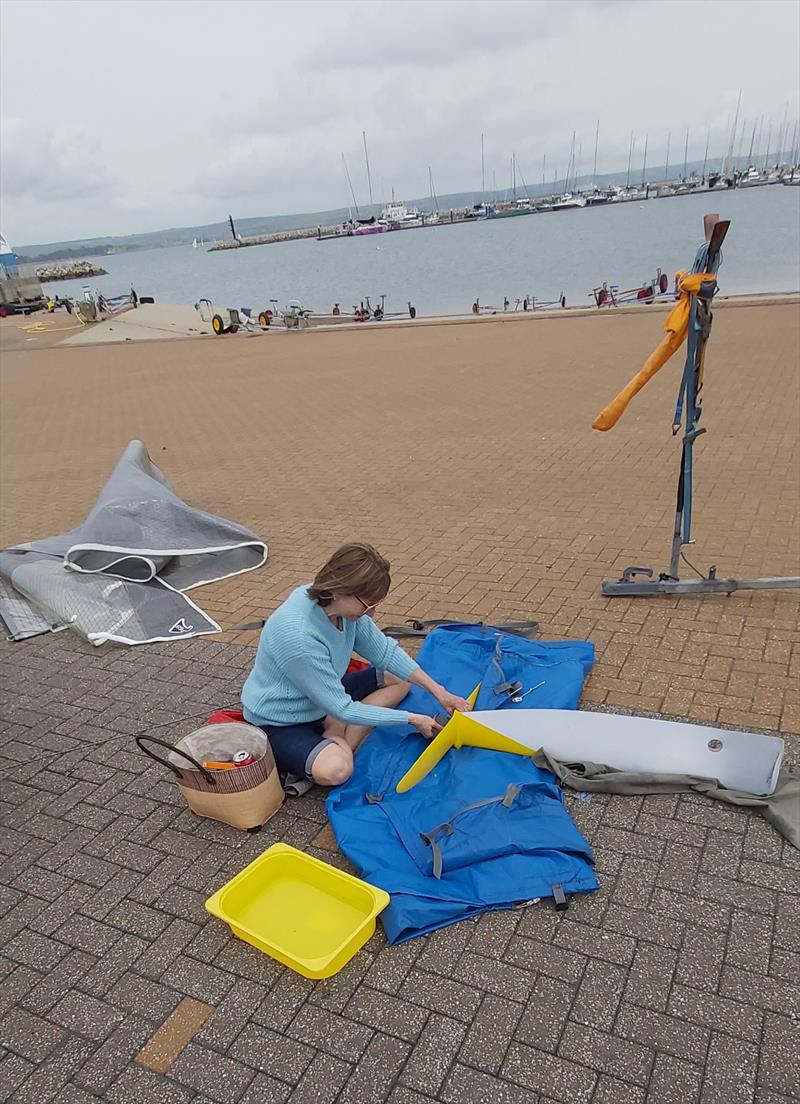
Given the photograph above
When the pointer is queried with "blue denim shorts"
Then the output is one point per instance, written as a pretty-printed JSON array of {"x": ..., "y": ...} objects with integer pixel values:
[{"x": 296, "y": 746}]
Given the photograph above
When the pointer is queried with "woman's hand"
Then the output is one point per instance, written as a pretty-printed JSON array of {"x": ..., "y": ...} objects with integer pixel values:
[
  {"x": 425, "y": 725},
  {"x": 451, "y": 702}
]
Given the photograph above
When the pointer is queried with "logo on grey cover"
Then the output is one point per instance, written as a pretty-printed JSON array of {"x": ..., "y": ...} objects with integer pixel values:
[{"x": 181, "y": 627}]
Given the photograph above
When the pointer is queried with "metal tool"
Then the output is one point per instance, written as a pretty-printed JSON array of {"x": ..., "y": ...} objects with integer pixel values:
[{"x": 519, "y": 697}]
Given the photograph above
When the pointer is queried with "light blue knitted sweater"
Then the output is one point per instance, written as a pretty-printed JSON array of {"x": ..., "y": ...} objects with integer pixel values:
[{"x": 300, "y": 661}]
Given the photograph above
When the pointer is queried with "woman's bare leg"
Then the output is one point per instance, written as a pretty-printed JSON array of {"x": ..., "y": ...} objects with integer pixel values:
[{"x": 387, "y": 696}]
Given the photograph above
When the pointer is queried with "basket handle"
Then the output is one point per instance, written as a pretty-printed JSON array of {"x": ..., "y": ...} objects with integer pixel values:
[{"x": 209, "y": 777}]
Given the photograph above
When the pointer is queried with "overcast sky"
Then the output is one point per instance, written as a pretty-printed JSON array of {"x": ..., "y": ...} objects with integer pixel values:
[{"x": 120, "y": 116}]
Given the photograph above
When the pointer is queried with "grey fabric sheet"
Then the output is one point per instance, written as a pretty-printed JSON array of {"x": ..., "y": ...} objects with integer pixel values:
[
  {"x": 122, "y": 573},
  {"x": 781, "y": 808}
]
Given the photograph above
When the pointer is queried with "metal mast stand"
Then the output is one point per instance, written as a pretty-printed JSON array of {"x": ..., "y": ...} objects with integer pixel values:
[{"x": 689, "y": 410}]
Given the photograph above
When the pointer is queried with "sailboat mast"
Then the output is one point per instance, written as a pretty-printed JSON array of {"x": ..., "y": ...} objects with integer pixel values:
[
  {"x": 666, "y": 160},
  {"x": 734, "y": 128},
  {"x": 644, "y": 159},
  {"x": 596, "y": 141},
  {"x": 784, "y": 135},
  {"x": 433, "y": 190},
  {"x": 514, "y": 176},
  {"x": 686, "y": 155},
  {"x": 752, "y": 143},
  {"x": 544, "y": 167},
  {"x": 705, "y": 155},
  {"x": 769, "y": 139},
  {"x": 350, "y": 182},
  {"x": 366, "y": 159},
  {"x": 630, "y": 155},
  {"x": 483, "y": 173}
]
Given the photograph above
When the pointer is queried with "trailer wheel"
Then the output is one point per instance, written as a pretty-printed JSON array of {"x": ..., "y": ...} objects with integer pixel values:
[
  {"x": 217, "y": 325},
  {"x": 263, "y": 320}
]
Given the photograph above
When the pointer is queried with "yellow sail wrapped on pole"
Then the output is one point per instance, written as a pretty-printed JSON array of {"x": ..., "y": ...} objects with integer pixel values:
[{"x": 676, "y": 325}]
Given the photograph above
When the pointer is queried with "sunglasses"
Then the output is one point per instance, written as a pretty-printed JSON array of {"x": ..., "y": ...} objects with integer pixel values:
[{"x": 367, "y": 606}]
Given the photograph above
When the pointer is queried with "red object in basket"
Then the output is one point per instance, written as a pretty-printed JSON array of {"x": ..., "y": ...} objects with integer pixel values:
[
  {"x": 227, "y": 716},
  {"x": 356, "y": 665}
]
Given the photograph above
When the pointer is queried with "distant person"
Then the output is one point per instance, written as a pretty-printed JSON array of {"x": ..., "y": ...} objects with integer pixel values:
[
  {"x": 134, "y": 298},
  {"x": 505, "y": 303},
  {"x": 336, "y": 309},
  {"x": 525, "y": 303}
]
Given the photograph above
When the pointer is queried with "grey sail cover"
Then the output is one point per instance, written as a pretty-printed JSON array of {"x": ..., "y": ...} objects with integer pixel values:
[{"x": 121, "y": 575}]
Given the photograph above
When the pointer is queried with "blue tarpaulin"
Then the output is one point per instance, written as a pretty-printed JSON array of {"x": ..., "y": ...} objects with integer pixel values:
[{"x": 485, "y": 829}]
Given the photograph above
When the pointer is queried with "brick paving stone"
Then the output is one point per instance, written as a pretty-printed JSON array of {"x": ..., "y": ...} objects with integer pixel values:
[
  {"x": 197, "y": 979},
  {"x": 651, "y": 975},
  {"x": 376, "y": 1072},
  {"x": 701, "y": 959},
  {"x": 713, "y": 1011},
  {"x": 750, "y": 941},
  {"x": 72, "y": 971},
  {"x": 433, "y": 1054},
  {"x": 668, "y": 1034},
  {"x": 85, "y": 1015},
  {"x": 29, "y": 1036},
  {"x": 231, "y": 1014},
  {"x": 264, "y": 1090},
  {"x": 674, "y": 1081},
  {"x": 607, "y": 1053},
  {"x": 599, "y": 995},
  {"x": 117, "y": 1052},
  {"x": 209, "y": 1072},
  {"x": 282, "y": 1002},
  {"x": 611, "y": 1091},
  {"x": 780, "y": 1055},
  {"x": 441, "y": 995},
  {"x": 272, "y": 1053},
  {"x": 500, "y": 978},
  {"x": 555, "y": 961},
  {"x": 769, "y": 993},
  {"x": 606, "y": 945},
  {"x": 465, "y": 1085},
  {"x": 327, "y": 1031},
  {"x": 493, "y": 932},
  {"x": 31, "y": 949},
  {"x": 14, "y": 1070},
  {"x": 391, "y": 965},
  {"x": 322, "y": 1081},
  {"x": 47, "y": 1081},
  {"x": 730, "y": 1072},
  {"x": 380, "y": 1010},
  {"x": 542, "y": 1024},
  {"x": 563, "y": 1080},
  {"x": 139, "y": 1086},
  {"x": 490, "y": 1033},
  {"x": 138, "y": 994},
  {"x": 401, "y": 1095},
  {"x": 113, "y": 965},
  {"x": 442, "y": 949}
]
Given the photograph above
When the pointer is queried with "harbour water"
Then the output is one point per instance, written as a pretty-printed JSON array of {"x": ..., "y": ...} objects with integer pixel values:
[{"x": 442, "y": 270}]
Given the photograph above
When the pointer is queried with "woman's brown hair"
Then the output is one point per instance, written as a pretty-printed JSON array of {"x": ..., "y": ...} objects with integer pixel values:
[{"x": 357, "y": 569}]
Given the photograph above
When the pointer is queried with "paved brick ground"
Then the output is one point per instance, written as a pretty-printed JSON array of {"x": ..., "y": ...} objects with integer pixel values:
[{"x": 678, "y": 981}]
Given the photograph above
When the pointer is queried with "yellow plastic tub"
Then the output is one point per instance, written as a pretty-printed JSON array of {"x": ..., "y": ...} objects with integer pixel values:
[{"x": 299, "y": 910}]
